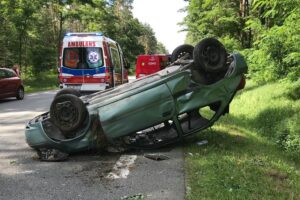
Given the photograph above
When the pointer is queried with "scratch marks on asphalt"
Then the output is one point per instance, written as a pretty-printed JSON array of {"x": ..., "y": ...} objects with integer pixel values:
[{"x": 122, "y": 167}]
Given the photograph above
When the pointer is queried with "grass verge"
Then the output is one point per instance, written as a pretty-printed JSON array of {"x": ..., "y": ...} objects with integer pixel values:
[
  {"x": 246, "y": 157},
  {"x": 42, "y": 82}
]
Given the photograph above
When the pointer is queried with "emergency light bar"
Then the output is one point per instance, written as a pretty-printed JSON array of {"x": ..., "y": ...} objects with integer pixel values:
[{"x": 85, "y": 34}]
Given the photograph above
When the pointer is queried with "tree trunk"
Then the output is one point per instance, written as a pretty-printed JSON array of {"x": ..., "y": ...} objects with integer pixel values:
[
  {"x": 244, "y": 13},
  {"x": 20, "y": 50}
]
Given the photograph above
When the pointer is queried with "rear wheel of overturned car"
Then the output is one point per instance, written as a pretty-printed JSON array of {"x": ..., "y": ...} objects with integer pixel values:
[
  {"x": 68, "y": 112},
  {"x": 182, "y": 50},
  {"x": 68, "y": 91},
  {"x": 210, "y": 56}
]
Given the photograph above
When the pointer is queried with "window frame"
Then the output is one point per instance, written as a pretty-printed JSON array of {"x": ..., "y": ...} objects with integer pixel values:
[{"x": 82, "y": 57}]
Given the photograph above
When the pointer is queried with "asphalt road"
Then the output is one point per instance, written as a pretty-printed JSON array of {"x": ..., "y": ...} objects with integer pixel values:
[{"x": 82, "y": 176}]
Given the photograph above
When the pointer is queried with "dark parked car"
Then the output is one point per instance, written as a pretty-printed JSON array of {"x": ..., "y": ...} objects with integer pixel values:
[
  {"x": 156, "y": 110},
  {"x": 10, "y": 84}
]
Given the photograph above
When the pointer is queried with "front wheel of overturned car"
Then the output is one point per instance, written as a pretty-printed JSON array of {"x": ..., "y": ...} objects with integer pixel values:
[
  {"x": 182, "y": 50},
  {"x": 68, "y": 112},
  {"x": 210, "y": 56}
]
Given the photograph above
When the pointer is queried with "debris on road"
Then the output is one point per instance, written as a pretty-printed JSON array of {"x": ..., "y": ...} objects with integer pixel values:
[
  {"x": 157, "y": 157},
  {"x": 202, "y": 142},
  {"x": 133, "y": 197},
  {"x": 52, "y": 155}
]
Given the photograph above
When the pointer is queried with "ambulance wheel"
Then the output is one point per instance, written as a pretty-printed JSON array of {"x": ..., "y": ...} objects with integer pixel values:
[
  {"x": 68, "y": 91},
  {"x": 210, "y": 56},
  {"x": 68, "y": 112},
  {"x": 181, "y": 51}
]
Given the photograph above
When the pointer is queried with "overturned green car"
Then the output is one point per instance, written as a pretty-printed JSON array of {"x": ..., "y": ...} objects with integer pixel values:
[{"x": 150, "y": 112}]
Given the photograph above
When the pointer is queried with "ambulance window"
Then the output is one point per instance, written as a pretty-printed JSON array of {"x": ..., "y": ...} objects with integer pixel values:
[
  {"x": 83, "y": 57},
  {"x": 94, "y": 57},
  {"x": 71, "y": 57},
  {"x": 116, "y": 60}
]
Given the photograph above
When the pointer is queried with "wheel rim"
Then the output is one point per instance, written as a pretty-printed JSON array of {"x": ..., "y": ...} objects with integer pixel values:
[
  {"x": 66, "y": 113},
  {"x": 211, "y": 55}
]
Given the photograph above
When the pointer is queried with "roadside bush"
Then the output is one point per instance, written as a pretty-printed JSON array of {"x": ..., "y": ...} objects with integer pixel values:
[
  {"x": 290, "y": 139},
  {"x": 260, "y": 64},
  {"x": 294, "y": 91},
  {"x": 45, "y": 80},
  {"x": 230, "y": 43},
  {"x": 275, "y": 53}
]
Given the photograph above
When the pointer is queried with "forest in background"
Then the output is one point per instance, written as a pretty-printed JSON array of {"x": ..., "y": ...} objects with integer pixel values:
[
  {"x": 266, "y": 32},
  {"x": 31, "y": 31}
]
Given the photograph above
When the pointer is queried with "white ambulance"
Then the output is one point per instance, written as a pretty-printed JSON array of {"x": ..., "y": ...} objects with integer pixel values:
[{"x": 91, "y": 62}]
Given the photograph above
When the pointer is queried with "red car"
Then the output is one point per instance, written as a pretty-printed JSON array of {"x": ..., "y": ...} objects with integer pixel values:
[{"x": 10, "y": 84}]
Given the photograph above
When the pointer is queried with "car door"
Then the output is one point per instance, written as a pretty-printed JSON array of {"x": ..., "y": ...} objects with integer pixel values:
[
  {"x": 153, "y": 105},
  {"x": 124, "y": 65},
  {"x": 3, "y": 83},
  {"x": 117, "y": 64},
  {"x": 72, "y": 70},
  {"x": 93, "y": 73},
  {"x": 8, "y": 83}
]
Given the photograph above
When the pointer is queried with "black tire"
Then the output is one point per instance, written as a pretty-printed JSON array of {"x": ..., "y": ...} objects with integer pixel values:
[
  {"x": 68, "y": 91},
  {"x": 20, "y": 93},
  {"x": 210, "y": 56},
  {"x": 181, "y": 51},
  {"x": 68, "y": 112}
]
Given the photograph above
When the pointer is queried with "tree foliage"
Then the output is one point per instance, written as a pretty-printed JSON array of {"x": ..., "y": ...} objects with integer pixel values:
[
  {"x": 31, "y": 31},
  {"x": 267, "y": 32}
]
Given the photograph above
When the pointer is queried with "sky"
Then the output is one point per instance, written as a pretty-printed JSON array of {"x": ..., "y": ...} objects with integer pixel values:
[{"x": 163, "y": 16}]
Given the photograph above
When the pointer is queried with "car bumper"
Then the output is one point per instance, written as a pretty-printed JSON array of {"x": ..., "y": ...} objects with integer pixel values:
[{"x": 37, "y": 138}]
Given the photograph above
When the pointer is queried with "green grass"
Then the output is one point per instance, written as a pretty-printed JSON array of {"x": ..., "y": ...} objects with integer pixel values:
[
  {"x": 42, "y": 82},
  {"x": 249, "y": 153}
]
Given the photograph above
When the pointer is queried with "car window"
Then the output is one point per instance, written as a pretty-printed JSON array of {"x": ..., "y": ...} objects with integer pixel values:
[
  {"x": 6, "y": 74},
  {"x": 2, "y": 74},
  {"x": 116, "y": 60},
  {"x": 83, "y": 57},
  {"x": 10, "y": 74}
]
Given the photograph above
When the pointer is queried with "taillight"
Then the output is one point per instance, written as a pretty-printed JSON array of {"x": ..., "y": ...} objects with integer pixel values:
[
  {"x": 107, "y": 75},
  {"x": 242, "y": 83},
  {"x": 60, "y": 55}
]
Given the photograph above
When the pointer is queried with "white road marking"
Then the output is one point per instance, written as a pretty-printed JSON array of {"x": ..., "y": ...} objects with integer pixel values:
[
  {"x": 27, "y": 172},
  {"x": 122, "y": 166}
]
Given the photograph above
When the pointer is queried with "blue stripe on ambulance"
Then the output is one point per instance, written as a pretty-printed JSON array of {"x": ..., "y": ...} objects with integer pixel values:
[{"x": 80, "y": 72}]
